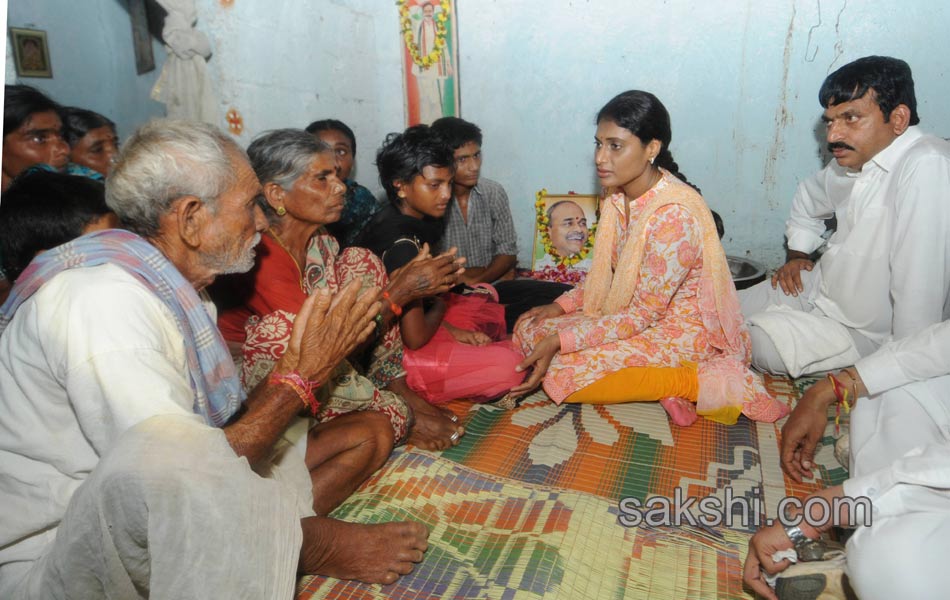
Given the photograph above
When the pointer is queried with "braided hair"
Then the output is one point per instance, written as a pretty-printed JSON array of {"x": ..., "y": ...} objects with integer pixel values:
[{"x": 642, "y": 114}]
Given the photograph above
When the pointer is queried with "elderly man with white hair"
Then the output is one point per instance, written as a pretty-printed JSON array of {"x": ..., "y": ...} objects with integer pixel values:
[{"x": 130, "y": 463}]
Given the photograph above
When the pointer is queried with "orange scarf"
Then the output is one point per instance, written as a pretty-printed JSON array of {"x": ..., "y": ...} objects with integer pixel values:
[{"x": 608, "y": 291}]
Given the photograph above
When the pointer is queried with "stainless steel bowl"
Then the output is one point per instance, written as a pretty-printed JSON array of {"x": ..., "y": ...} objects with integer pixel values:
[{"x": 745, "y": 272}]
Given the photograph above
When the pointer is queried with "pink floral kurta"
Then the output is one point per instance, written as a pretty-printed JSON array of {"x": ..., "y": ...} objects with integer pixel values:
[{"x": 661, "y": 326}]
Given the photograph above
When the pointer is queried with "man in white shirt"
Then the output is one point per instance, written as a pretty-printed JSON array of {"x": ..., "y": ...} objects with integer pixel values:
[
  {"x": 127, "y": 469},
  {"x": 900, "y": 462},
  {"x": 886, "y": 269}
]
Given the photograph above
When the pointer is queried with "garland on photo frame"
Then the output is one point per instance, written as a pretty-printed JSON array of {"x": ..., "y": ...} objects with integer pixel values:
[
  {"x": 544, "y": 225},
  {"x": 440, "y": 31}
]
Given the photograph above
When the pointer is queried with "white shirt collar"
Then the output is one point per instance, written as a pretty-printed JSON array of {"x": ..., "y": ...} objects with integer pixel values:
[{"x": 888, "y": 157}]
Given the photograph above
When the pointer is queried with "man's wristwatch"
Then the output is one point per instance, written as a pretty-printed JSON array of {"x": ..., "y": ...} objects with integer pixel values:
[{"x": 807, "y": 549}]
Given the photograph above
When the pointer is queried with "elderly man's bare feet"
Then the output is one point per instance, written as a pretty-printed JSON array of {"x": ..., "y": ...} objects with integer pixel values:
[
  {"x": 435, "y": 428},
  {"x": 369, "y": 553}
]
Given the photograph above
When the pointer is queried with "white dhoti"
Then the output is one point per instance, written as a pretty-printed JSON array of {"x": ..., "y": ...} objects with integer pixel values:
[
  {"x": 171, "y": 512},
  {"x": 798, "y": 346},
  {"x": 900, "y": 453}
]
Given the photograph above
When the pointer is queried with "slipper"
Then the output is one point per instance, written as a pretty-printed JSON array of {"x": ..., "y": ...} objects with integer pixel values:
[{"x": 506, "y": 402}]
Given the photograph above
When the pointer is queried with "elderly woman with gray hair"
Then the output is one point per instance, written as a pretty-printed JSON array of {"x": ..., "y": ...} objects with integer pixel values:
[{"x": 302, "y": 193}]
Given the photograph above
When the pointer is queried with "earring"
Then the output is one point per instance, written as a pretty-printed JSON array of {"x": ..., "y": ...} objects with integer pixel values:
[
  {"x": 652, "y": 158},
  {"x": 281, "y": 211}
]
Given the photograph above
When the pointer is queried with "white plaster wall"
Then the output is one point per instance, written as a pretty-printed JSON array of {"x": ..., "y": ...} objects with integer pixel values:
[
  {"x": 287, "y": 63},
  {"x": 740, "y": 79},
  {"x": 90, "y": 45}
]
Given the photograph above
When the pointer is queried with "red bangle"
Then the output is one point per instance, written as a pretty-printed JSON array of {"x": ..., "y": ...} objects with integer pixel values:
[
  {"x": 301, "y": 386},
  {"x": 397, "y": 310}
]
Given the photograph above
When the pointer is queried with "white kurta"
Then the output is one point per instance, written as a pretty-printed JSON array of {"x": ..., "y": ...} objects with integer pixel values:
[
  {"x": 900, "y": 457},
  {"x": 92, "y": 354},
  {"x": 885, "y": 273},
  {"x": 886, "y": 269}
]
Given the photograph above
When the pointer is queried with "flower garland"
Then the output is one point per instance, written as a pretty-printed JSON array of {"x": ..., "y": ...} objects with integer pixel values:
[
  {"x": 540, "y": 207},
  {"x": 440, "y": 31},
  {"x": 560, "y": 274}
]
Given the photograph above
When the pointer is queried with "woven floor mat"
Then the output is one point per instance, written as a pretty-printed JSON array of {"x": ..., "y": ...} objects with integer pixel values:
[
  {"x": 632, "y": 450},
  {"x": 527, "y": 505},
  {"x": 492, "y": 537}
]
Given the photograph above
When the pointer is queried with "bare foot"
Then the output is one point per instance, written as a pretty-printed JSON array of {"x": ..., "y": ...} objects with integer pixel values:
[
  {"x": 435, "y": 428},
  {"x": 682, "y": 412},
  {"x": 369, "y": 553}
]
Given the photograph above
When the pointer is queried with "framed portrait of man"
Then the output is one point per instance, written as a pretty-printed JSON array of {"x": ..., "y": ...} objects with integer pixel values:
[
  {"x": 430, "y": 59},
  {"x": 30, "y": 53},
  {"x": 565, "y": 225}
]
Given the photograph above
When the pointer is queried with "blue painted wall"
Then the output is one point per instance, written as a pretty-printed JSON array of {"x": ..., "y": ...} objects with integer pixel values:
[
  {"x": 90, "y": 45},
  {"x": 740, "y": 79}
]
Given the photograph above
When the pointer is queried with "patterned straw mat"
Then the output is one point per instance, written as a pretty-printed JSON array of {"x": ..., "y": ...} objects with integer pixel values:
[
  {"x": 527, "y": 505},
  {"x": 492, "y": 537},
  {"x": 632, "y": 450}
]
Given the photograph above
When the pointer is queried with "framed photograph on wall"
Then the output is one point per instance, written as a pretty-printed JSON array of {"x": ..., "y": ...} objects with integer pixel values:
[
  {"x": 565, "y": 226},
  {"x": 429, "y": 31},
  {"x": 30, "y": 53},
  {"x": 141, "y": 38}
]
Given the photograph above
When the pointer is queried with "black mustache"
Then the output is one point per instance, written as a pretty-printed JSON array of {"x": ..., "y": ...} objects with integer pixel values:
[{"x": 834, "y": 145}]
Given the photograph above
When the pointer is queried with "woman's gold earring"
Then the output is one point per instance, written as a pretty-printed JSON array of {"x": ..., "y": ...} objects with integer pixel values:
[
  {"x": 281, "y": 211},
  {"x": 652, "y": 158}
]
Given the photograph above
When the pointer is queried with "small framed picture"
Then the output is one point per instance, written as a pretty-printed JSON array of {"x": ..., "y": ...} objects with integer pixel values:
[
  {"x": 565, "y": 225},
  {"x": 30, "y": 53},
  {"x": 141, "y": 38}
]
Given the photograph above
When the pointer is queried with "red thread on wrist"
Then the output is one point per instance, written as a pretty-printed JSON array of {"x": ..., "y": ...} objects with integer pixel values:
[
  {"x": 302, "y": 387},
  {"x": 841, "y": 398}
]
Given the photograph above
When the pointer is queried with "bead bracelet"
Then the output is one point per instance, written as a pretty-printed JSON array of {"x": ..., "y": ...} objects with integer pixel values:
[{"x": 397, "y": 310}]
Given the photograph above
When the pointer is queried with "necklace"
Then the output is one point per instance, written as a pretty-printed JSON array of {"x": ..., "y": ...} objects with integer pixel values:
[
  {"x": 280, "y": 243},
  {"x": 657, "y": 176}
]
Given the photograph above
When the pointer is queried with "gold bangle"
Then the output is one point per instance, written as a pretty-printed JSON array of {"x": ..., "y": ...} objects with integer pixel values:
[{"x": 852, "y": 374}]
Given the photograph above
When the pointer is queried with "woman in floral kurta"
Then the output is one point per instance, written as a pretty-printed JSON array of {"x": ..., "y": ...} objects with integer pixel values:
[{"x": 659, "y": 292}]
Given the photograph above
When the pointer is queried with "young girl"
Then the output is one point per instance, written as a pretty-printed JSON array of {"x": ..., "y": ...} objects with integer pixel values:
[
  {"x": 454, "y": 342},
  {"x": 659, "y": 292}
]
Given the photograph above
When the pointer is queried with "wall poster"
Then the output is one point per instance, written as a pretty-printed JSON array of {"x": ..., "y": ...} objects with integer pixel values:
[{"x": 430, "y": 59}]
